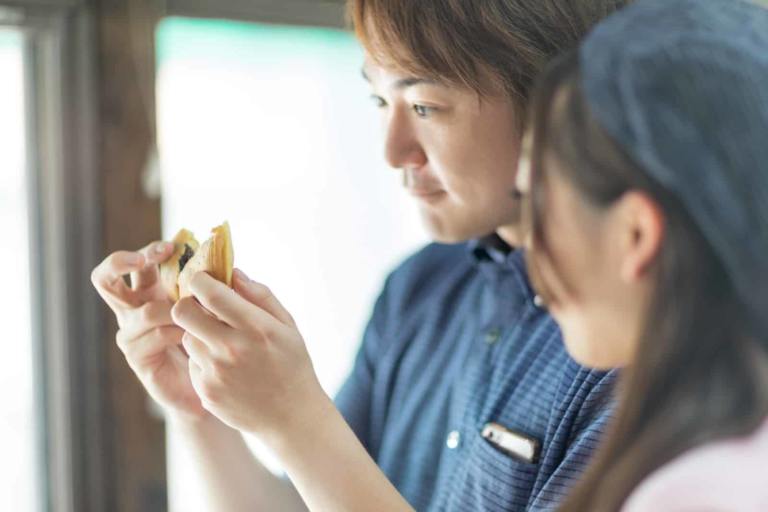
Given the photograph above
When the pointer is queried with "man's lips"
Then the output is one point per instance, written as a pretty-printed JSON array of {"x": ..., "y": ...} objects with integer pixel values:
[
  {"x": 426, "y": 193},
  {"x": 427, "y": 196}
]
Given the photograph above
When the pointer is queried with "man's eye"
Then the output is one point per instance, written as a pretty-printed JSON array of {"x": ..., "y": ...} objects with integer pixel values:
[
  {"x": 422, "y": 111},
  {"x": 378, "y": 101}
]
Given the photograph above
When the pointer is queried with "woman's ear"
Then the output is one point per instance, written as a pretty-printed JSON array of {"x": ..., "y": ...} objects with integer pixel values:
[{"x": 642, "y": 223}]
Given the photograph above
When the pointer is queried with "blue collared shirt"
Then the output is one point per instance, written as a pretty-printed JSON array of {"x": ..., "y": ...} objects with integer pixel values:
[{"x": 456, "y": 342}]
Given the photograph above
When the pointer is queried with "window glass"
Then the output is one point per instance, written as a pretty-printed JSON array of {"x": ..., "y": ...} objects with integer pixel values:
[
  {"x": 273, "y": 129},
  {"x": 18, "y": 415}
]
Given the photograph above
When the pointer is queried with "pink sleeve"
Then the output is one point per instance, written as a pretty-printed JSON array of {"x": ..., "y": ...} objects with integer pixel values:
[{"x": 724, "y": 476}]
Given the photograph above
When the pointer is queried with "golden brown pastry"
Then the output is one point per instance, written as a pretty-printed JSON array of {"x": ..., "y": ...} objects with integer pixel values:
[{"x": 214, "y": 256}]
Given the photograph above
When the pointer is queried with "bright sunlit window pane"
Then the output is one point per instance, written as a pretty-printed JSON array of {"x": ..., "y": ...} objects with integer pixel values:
[
  {"x": 18, "y": 426},
  {"x": 273, "y": 129}
]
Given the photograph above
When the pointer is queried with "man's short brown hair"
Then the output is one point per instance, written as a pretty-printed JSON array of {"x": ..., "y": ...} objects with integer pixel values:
[{"x": 485, "y": 45}]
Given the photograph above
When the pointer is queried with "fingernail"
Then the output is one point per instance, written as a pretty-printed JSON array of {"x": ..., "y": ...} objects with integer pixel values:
[
  {"x": 239, "y": 274},
  {"x": 162, "y": 247}
]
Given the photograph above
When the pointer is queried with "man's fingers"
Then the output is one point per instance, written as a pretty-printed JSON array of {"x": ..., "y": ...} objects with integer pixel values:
[
  {"x": 148, "y": 275},
  {"x": 143, "y": 319},
  {"x": 147, "y": 330},
  {"x": 149, "y": 344},
  {"x": 196, "y": 378},
  {"x": 198, "y": 352},
  {"x": 109, "y": 282},
  {"x": 229, "y": 307},
  {"x": 190, "y": 316},
  {"x": 114, "y": 267},
  {"x": 261, "y": 296}
]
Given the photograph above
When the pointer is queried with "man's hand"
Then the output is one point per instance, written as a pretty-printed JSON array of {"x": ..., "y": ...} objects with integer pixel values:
[
  {"x": 148, "y": 338},
  {"x": 247, "y": 360}
]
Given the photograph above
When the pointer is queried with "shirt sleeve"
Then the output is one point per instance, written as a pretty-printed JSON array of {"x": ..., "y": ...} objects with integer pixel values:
[
  {"x": 355, "y": 396},
  {"x": 728, "y": 474}
]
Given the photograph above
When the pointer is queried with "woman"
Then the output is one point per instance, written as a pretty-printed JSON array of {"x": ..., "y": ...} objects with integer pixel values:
[{"x": 648, "y": 180}]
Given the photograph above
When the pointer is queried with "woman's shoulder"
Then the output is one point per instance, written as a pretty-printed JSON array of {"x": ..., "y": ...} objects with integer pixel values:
[{"x": 720, "y": 476}]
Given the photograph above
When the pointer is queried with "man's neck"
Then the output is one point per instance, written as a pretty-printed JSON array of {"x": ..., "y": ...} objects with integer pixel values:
[{"x": 511, "y": 234}]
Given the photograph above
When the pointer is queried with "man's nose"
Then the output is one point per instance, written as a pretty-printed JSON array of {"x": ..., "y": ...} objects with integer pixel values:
[{"x": 402, "y": 148}]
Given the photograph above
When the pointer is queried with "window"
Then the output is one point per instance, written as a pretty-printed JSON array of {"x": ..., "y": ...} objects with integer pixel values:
[
  {"x": 19, "y": 428},
  {"x": 271, "y": 127}
]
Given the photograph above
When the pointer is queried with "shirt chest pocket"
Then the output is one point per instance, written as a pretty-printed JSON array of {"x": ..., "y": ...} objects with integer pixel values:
[{"x": 491, "y": 480}]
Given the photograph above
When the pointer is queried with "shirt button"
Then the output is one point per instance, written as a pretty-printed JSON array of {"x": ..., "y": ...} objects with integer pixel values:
[
  {"x": 492, "y": 336},
  {"x": 452, "y": 442}
]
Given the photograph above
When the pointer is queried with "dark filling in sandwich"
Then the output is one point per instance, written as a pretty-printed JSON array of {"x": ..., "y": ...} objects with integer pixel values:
[{"x": 188, "y": 253}]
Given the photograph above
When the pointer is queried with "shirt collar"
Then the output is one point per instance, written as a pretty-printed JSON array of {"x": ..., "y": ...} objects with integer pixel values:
[
  {"x": 498, "y": 261},
  {"x": 490, "y": 248}
]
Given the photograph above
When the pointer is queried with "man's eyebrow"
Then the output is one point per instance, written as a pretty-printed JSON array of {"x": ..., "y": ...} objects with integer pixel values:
[{"x": 404, "y": 83}]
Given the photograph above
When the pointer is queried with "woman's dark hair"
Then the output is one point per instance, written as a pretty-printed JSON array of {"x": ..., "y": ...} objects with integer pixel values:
[{"x": 698, "y": 375}]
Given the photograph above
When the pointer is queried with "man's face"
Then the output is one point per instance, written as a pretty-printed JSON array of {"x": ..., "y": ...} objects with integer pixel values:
[{"x": 458, "y": 151}]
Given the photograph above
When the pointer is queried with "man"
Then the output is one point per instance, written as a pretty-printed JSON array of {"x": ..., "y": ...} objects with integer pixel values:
[{"x": 462, "y": 391}]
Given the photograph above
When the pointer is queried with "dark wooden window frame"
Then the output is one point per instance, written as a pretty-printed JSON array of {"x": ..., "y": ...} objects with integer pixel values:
[
  {"x": 318, "y": 13},
  {"x": 63, "y": 228}
]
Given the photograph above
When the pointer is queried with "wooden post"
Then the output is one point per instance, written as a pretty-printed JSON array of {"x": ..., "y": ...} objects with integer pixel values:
[{"x": 125, "y": 77}]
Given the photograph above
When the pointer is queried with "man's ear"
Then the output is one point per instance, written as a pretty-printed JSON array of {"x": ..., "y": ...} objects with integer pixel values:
[{"x": 642, "y": 224}]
